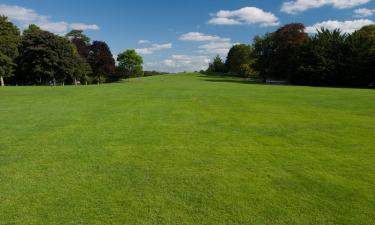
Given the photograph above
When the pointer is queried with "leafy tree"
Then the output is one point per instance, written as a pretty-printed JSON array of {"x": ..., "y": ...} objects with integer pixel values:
[
  {"x": 217, "y": 66},
  {"x": 82, "y": 68},
  {"x": 248, "y": 71},
  {"x": 361, "y": 57},
  {"x": 78, "y": 34},
  {"x": 263, "y": 54},
  {"x": 285, "y": 55},
  {"x": 45, "y": 57},
  {"x": 101, "y": 61},
  {"x": 9, "y": 42},
  {"x": 237, "y": 56},
  {"x": 323, "y": 59},
  {"x": 82, "y": 48},
  {"x": 131, "y": 63},
  {"x": 81, "y": 41}
]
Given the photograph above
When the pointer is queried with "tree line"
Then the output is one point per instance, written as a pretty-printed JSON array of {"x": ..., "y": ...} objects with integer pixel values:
[
  {"x": 38, "y": 57},
  {"x": 327, "y": 58}
]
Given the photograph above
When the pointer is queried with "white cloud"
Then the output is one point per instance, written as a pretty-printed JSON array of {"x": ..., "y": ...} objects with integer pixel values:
[
  {"x": 346, "y": 26},
  {"x": 25, "y": 17},
  {"x": 153, "y": 48},
  {"x": 179, "y": 63},
  {"x": 144, "y": 42},
  {"x": 82, "y": 26},
  {"x": 246, "y": 15},
  {"x": 215, "y": 44},
  {"x": 297, "y": 6},
  {"x": 214, "y": 48},
  {"x": 363, "y": 12},
  {"x": 196, "y": 36}
]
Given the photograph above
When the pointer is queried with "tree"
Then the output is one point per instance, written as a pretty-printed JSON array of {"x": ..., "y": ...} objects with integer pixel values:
[
  {"x": 263, "y": 53},
  {"x": 131, "y": 62},
  {"x": 361, "y": 58},
  {"x": 323, "y": 59},
  {"x": 82, "y": 68},
  {"x": 237, "y": 56},
  {"x": 248, "y": 71},
  {"x": 45, "y": 57},
  {"x": 101, "y": 60},
  {"x": 9, "y": 42},
  {"x": 78, "y": 34},
  {"x": 217, "y": 66},
  {"x": 81, "y": 41},
  {"x": 285, "y": 55}
]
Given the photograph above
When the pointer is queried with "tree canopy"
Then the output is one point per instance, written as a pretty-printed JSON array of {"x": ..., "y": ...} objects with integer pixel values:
[
  {"x": 78, "y": 34},
  {"x": 131, "y": 63},
  {"x": 101, "y": 60},
  {"x": 238, "y": 55},
  {"x": 45, "y": 57},
  {"x": 9, "y": 42}
]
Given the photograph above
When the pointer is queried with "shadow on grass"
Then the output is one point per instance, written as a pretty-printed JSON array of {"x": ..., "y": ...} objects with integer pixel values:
[{"x": 224, "y": 78}]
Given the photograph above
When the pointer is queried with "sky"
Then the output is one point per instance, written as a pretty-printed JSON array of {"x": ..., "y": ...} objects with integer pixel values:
[{"x": 184, "y": 35}]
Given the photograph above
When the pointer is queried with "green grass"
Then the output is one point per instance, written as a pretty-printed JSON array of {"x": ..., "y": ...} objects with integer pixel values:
[{"x": 187, "y": 149}]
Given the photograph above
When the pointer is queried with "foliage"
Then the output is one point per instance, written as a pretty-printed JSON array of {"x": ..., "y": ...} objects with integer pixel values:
[
  {"x": 237, "y": 56},
  {"x": 6, "y": 65},
  {"x": 101, "y": 61},
  {"x": 217, "y": 65},
  {"x": 361, "y": 60},
  {"x": 82, "y": 68},
  {"x": 9, "y": 42},
  {"x": 78, "y": 34},
  {"x": 153, "y": 73},
  {"x": 45, "y": 57},
  {"x": 329, "y": 58},
  {"x": 323, "y": 59},
  {"x": 248, "y": 71},
  {"x": 131, "y": 63}
]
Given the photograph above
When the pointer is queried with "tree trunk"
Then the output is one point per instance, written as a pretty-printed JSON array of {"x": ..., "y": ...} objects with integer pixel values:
[
  {"x": 2, "y": 81},
  {"x": 75, "y": 81}
]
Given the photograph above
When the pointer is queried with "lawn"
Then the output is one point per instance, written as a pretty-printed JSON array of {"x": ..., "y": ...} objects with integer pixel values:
[{"x": 186, "y": 149}]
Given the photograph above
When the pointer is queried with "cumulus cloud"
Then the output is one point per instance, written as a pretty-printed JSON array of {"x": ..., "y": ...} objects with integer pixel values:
[
  {"x": 214, "y": 48},
  {"x": 153, "y": 48},
  {"x": 144, "y": 42},
  {"x": 346, "y": 26},
  {"x": 214, "y": 44},
  {"x": 363, "y": 12},
  {"x": 196, "y": 36},
  {"x": 246, "y": 15},
  {"x": 179, "y": 63},
  {"x": 297, "y": 6},
  {"x": 25, "y": 17}
]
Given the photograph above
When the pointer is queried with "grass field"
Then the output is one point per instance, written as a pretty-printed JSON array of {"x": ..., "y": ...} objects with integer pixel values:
[{"x": 187, "y": 149}]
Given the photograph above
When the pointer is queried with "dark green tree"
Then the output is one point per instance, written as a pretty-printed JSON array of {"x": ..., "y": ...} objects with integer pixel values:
[
  {"x": 78, "y": 34},
  {"x": 82, "y": 68},
  {"x": 263, "y": 54},
  {"x": 361, "y": 58},
  {"x": 9, "y": 42},
  {"x": 217, "y": 65},
  {"x": 131, "y": 63},
  {"x": 323, "y": 59},
  {"x": 45, "y": 57},
  {"x": 287, "y": 42},
  {"x": 101, "y": 61},
  {"x": 237, "y": 56}
]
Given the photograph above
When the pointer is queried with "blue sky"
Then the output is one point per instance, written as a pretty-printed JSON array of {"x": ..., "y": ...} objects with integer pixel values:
[{"x": 184, "y": 35}]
